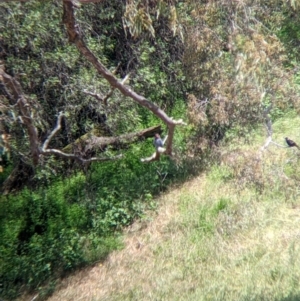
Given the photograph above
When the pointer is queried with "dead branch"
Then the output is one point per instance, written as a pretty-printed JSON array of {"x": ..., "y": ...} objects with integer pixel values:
[
  {"x": 155, "y": 156},
  {"x": 53, "y": 133},
  {"x": 104, "y": 99},
  {"x": 269, "y": 127},
  {"x": 17, "y": 98},
  {"x": 79, "y": 158},
  {"x": 97, "y": 96},
  {"x": 279, "y": 145},
  {"x": 90, "y": 142},
  {"x": 75, "y": 37},
  {"x": 36, "y": 296}
]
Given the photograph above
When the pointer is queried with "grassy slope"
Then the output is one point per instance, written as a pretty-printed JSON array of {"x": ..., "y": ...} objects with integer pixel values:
[{"x": 230, "y": 234}]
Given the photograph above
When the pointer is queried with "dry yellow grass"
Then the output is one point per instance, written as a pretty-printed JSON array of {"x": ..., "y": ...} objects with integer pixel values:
[
  {"x": 250, "y": 252},
  {"x": 167, "y": 260}
]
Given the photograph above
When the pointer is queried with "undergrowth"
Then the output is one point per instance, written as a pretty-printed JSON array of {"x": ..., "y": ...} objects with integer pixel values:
[
  {"x": 230, "y": 234},
  {"x": 72, "y": 222}
]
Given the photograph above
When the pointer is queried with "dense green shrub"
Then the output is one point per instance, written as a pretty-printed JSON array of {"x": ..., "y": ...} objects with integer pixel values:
[{"x": 75, "y": 221}]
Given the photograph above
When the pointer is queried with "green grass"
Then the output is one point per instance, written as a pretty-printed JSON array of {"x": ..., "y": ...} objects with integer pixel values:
[{"x": 233, "y": 233}]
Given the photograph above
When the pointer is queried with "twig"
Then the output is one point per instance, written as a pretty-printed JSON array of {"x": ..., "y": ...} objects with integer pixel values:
[
  {"x": 269, "y": 130},
  {"x": 24, "y": 108},
  {"x": 34, "y": 297},
  {"x": 283, "y": 146},
  {"x": 155, "y": 156},
  {"x": 53, "y": 133},
  {"x": 46, "y": 151},
  {"x": 82, "y": 160},
  {"x": 104, "y": 99},
  {"x": 97, "y": 96}
]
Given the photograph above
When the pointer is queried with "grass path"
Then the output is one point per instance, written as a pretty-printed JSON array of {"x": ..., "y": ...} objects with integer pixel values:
[{"x": 232, "y": 233}]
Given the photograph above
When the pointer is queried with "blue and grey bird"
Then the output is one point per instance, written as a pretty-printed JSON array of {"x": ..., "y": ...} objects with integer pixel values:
[{"x": 158, "y": 141}]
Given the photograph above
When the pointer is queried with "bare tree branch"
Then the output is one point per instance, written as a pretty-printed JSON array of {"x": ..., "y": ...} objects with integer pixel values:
[
  {"x": 269, "y": 130},
  {"x": 76, "y": 38},
  {"x": 104, "y": 99},
  {"x": 97, "y": 96},
  {"x": 155, "y": 156},
  {"x": 17, "y": 98},
  {"x": 279, "y": 145},
  {"x": 91, "y": 143},
  {"x": 79, "y": 158},
  {"x": 53, "y": 133}
]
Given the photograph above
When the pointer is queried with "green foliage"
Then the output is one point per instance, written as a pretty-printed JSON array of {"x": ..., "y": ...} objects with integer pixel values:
[
  {"x": 72, "y": 219},
  {"x": 160, "y": 76},
  {"x": 44, "y": 234},
  {"x": 289, "y": 33},
  {"x": 221, "y": 205},
  {"x": 204, "y": 221},
  {"x": 205, "y": 224},
  {"x": 220, "y": 173},
  {"x": 221, "y": 241},
  {"x": 233, "y": 74},
  {"x": 53, "y": 75},
  {"x": 5, "y": 173},
  {"x": 75, "y": 221}
]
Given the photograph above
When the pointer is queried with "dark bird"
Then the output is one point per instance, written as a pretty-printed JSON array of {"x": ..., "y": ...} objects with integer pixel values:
[{"x": 291, "y": 143}]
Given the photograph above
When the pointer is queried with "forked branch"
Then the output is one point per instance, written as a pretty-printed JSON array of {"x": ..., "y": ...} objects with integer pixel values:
[
  {"x": 91, "y": 143},
  {"x": 53, "y": 133},
  {"x": 75, "y": 37},
  {"x": 18, "y": 99},
  {"x": 269, "y": 128}
]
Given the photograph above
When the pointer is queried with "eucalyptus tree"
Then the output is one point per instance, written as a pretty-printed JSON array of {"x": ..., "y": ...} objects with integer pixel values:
[
  {"x": 47, "y": 84},
  {"x": 227, "y": 54},
  {"x": 237, "y": 65}
]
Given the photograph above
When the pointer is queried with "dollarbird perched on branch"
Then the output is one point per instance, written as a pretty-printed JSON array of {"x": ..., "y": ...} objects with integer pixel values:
[
  {"x": 158, "y": 141},
  {"x": 291, "y": 143}
]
